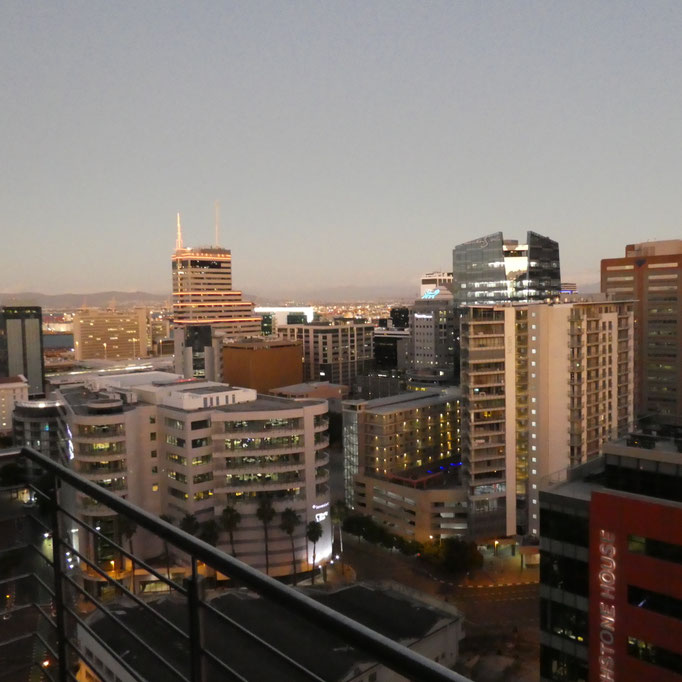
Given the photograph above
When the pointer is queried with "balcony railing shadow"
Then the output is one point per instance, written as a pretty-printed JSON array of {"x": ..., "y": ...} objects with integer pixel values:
[{"x": 73, "y": 613}]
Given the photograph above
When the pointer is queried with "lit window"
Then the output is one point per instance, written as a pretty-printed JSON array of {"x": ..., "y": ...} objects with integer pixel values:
[{"x": 155, "y": 488}]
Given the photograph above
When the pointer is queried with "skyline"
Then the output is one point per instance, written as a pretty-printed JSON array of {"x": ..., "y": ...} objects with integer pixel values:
[{"x": 353, "y": 144}]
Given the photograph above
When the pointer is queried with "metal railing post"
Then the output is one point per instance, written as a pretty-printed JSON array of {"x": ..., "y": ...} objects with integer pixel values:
[
  {"x": 57, "y": 557},
  {"x": 195, "y": 633}
]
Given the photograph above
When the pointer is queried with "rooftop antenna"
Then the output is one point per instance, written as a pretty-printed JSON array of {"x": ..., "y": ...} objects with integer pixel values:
[
  {"x": 217, "y": 222},
  {"x": 178, "y": 239}
]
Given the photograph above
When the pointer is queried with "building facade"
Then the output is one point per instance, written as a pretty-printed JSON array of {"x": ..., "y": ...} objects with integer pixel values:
[
  {"x": 433, "y": 327},
  {"x": 334, "y": 353},
  {"x": 190, "y": 447},
  {"x": 21, "y": 345},
  {"x": 650, "y": 274},
  {"x": 110, "y": 334},
  {"x": 435, "y": 280},
  {"x": 387, "y": 437},
  {"x": 493, "y": 269},
  {"x": 610, "y": 572},
  {"x": 544, "y": 386},
  {"x": 12, "y": 391},
  {"x": 262, "y": 364}
]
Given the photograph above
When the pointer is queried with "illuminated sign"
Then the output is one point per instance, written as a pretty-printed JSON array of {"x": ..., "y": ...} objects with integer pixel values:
[
  {"x": 419, "y": 316},
  {"x": 320, "y": 506},
  {"x": 431, "y": 293},
  {"x": 321, "y": 517},
  {"x": 607, "y": 607}
]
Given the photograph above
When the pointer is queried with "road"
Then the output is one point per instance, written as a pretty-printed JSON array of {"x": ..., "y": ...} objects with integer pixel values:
[{"x": 501, "y": 619}]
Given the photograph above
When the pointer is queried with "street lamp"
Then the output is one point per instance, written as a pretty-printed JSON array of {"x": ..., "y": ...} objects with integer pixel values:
[
  {"x": 497, "y": 542},
  {"x": 105, "y": 350}
]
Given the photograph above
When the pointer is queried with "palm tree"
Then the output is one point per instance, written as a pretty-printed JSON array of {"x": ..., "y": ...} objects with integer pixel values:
[
  {"x": 168, "y": 519},
  {"x": 230, "y": 519},
  {"x": 190, "y": 524},
  {"x": 290, "y": 519},
  {"x": 339, "y": 511},
  {"x": 209, "y": 532},
  {"x": 313, "y": 532},
  {"x": 265, "y": 514}
]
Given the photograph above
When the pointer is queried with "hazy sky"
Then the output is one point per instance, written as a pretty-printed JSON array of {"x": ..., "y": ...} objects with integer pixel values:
[{"x": 348, "y": 142}]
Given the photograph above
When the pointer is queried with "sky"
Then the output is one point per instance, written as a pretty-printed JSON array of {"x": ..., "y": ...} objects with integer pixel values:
[{"x": 349, "y": 143}]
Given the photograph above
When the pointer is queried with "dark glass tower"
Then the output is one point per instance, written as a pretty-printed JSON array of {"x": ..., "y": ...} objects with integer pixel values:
[
  {"x": 21, "y": 345},
  {"x": 493, "y": 270}
]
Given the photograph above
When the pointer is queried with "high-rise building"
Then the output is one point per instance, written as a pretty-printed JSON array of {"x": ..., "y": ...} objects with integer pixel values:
[
  {"x": 191, "y": 447},
  {"x": 203, "y": 299},
  {"x": 434, "y": 329},
  {"x": 21, "y": 345},
  {"x": 610, "y": 573},
  {"x": 335, "y": 353},
  {"x": 493, "y": 269},
  {"x": 650, "y": 274},
  {"x": 110, "y": 334},
  {"x": 395, "y": 450},
  {"x": 544, "y": 386}
]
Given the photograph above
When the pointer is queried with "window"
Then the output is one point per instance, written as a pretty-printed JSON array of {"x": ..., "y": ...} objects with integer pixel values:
[
  {"x": 152, "y": 435},
  {"x": 201, "y": 424},
  {"x": 153, "y": 454},
  {"x": 655, "y": 601},
  {"x": 152, "y": 420},
  {"x": 155, "y": 488},
  {"x": 155, "y": 470},
  {"x": 657, "y": 549},
  {"x": 656, "y": 655}
]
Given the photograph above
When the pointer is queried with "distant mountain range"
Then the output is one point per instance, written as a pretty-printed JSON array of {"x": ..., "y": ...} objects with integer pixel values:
[
  {"x": 102, "y": 299},
  {"x": 349, "y": 293}
]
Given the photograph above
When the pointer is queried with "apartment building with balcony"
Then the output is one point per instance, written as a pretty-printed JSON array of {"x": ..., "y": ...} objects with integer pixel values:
[
  {"x": 190, "y": 447},
  {"x": 544, "y": 386},
  {"x": 401, "y": 462}
]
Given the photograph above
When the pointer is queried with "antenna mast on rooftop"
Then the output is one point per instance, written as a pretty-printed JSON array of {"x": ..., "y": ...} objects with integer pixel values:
[
  {"x": 217, "y": 222},
  {"x": 178, "y": 239}
]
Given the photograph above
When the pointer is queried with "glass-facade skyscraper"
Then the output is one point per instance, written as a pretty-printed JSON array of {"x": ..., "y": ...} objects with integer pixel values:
[{"x": 493, "y": 270}]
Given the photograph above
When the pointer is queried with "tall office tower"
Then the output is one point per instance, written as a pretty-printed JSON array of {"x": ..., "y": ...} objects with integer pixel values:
[
  {"x": 21, "y": 345},
  {"x": 110, "y": 334},
  {"x": 435, "y": 280},
  {"x": 433, "y": 326},
  {"x": 180, "y": 447},
  {"x": 335, "y": 353},
  {"x": 651, "y": 275},
  {"x": 401, "y": 463},
  {"x": 205, "y": 307},
  {"x": 493, "y": 269},
  {"x": 610, "y": 573},
  {"x": 544, "y": 386}
]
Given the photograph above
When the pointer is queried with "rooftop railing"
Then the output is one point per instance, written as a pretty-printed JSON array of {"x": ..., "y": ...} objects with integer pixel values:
[{"x": 86, "y": 607}]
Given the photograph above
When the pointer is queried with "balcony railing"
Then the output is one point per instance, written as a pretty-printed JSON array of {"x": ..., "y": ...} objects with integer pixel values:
[{"x": 77, "y": 611}]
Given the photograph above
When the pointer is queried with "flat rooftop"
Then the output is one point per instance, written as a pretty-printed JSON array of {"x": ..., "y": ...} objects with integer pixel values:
[{"x": 407, "y": 401}]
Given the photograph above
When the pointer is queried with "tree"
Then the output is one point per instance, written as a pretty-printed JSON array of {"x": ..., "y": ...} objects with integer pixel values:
[
  {"x": 209, "y": 532},
  {"x": 290, "y": 519},
  {"x": 190, "y": 524},
  {"x": 230, "y": 519},
  {"x": 313, "y": 533},
  {"x": 339, "y": 512},
  {"x": 265, "y": 514},
  {"x": 126, "y": 529}
]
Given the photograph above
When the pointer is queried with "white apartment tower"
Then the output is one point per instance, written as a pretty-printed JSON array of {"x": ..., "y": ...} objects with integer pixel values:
[
  {"x": 544, "y": 387},
  {"x": 194, "y": 447}
]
